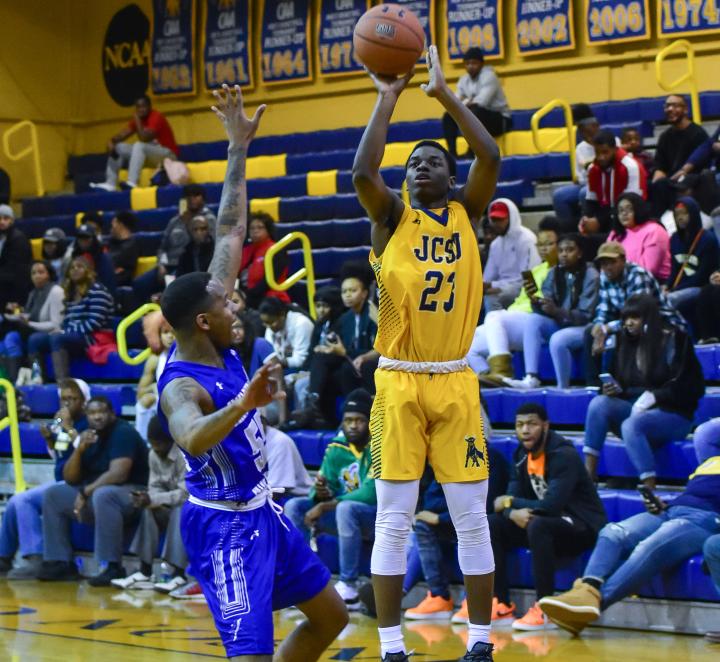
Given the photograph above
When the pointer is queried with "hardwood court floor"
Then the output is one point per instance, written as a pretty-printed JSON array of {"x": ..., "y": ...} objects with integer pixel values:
[{"x": 73, "y": 622}]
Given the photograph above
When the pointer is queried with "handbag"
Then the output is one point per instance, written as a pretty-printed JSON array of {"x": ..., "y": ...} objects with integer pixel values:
[{"x": 103, "y": 344}]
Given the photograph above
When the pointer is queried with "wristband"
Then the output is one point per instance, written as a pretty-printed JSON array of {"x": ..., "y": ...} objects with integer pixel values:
[{"x": 507, "y": 502}]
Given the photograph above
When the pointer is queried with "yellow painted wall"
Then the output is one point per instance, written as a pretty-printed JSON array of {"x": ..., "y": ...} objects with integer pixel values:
[{"x": 51, "y": 63}]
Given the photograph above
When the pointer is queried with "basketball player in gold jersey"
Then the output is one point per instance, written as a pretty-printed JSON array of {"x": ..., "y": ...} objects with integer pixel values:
[{"x": 427, "y": 263}]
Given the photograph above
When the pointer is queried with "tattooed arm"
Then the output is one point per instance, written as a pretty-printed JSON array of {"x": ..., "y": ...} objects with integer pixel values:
[{"x": 232, "y": 216}]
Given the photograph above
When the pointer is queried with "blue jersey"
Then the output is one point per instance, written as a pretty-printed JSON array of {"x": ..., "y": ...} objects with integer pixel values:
[{"x": 236, "y": 468}]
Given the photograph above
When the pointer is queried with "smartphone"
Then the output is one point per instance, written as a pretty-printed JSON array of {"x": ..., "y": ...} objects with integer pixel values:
[
  {"x": 607, "y": 378},
  {"x": 652, "y": 501},
  {"x": 529, "y": 283}
]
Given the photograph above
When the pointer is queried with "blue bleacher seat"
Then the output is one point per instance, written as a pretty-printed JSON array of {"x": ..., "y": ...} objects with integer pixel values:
[
  {"x": 116, "y": 370},
  {"x": 35, "y": 227},
  {"x": 43, "y": 399},
  {"x": 32, "y": 442}
]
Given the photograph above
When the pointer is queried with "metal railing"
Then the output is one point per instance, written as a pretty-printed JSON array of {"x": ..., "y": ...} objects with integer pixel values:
[
  {"x": 11, "y": 421},
  {"x": 122, "y": 334},
  {"x": 307, "y": 271},
  {"x": 32, "y": 148},
  {"x": 688, "y": 77},
  {"x": 535, "y": 126}
]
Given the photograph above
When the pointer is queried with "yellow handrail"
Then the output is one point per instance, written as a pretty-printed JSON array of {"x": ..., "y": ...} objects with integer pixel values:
[
  {"x": 122, "y": 334},
  {"x": 11, "y": 421},
  {"x": 32, "y": 148},
  {"x": 688, "y": 76},
  {"x": 307, "y": 271},
  {"x": 535, "y": 126}
]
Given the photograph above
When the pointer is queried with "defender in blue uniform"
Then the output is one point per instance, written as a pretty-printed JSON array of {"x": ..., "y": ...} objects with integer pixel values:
[{"x": 247, "y": 556}]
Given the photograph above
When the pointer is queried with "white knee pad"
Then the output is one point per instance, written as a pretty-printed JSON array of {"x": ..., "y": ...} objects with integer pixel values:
[{"x": 396, "y": 504}]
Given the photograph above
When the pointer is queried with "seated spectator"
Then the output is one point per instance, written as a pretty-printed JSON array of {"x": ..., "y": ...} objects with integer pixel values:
[
  {"x": 253, "y": 316},
  {"x": 286, "y": 470},
  {"x": 343, "y": 500},
  {"x": 501, "y": 333},
  {"x": 705, "y": 157},
  {"x": 88, "y": 307},
  {"x": 657, "y": 385},
  {"x": 87, "y": 245},
  {"x": 695, "y": 255},
  {"x": 707, "y": 311},
  {"x": 711, "y": 552},
  {"x": 646, "y": 242},
  {"x": 488, "y": 236},
  {"x": 631, "y": 553},
  {"x": 261, "y": 235},
  {"x": 689, "y": 186},
  {"x": 632, "y": 142},
  {"x": 569, "y": 297},
  {"x": 54, "y": 245},
  {"x": 22, "y": 521},
  {"x": 552, "y": 508},
  {"x": 15, "y": 260},
  {"x": 511, "y": 253},
  {"x": 288, "y": 331},
  {"x": 199, "y": 252},
  {"x": 122, "y": 247},
  {"x": 706, "y": 440},
  {"x": 155, "y": 143},
  {"x": 160, "y": 505},
  {"x": 675, "y": 146},
  {"x": 109, "y": 462},
  {"x": 43, "y": 312},
  {"x": 480, "y": 90},
  {"x": 254, "y": 352}
]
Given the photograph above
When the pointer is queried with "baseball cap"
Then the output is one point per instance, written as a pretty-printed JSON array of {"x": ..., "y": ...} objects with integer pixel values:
[
  {"x": 7, "y": 210},
  {"x": 85, "y": 230},
  {"x": 611, "y": 250},
  {"x": 54, "y": 234},
  {"x": 358, "y": 401},
  {"x": 499, "y": 210}
]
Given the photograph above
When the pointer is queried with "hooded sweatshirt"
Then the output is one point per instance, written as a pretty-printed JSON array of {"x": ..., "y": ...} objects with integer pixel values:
[
  {"x": 511, "y": 253},
  {"x": 605, "y": 186}
]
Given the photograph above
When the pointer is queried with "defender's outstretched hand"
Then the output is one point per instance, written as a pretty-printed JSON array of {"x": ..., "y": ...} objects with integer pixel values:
[
  {"x": 385, "y": 84},
  {"x": 437, "y": 83},
  {"x": 240, "y": 129}
]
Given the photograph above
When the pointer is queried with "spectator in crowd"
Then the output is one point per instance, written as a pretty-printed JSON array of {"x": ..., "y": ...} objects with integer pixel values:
[
  {"x": 108, "y": 463},
  {"x": 695, "y": 187},
  {"x": 288, "y": 331},
  {"x": 675, "y": 146},
  {"x": 569, "y": 297},
  {"x": 239, "y": 298},
  {"x": 88, "y": 307},
  {"x": 261, "y": 235},
  {"x": 286, "y": 470},
  {"x": 488, "y": 236},
  {"x": 54, "y": 245},
  {"x": 706, "y": 156},
  {"x": 43, "y": 312},
  {"x": 175, "y": 239},
  {"x": 343, "y": 500},
  {"x": 480, "y": 90},
  {"x": 21, "y": 529},
  {"x": 646, "y": 242},
  {"x": 254, "y": 351},
  {"x": 695, "y": 255},
  {"x": 551, "y": 507},
  {"x": 155, "y": 143},
  {"x": 706, "y": 439},
  {"x": 199, "y": 252},
  {"x": 568, "y": 199},
  {"x": 501, "y": 333},
  {"x": 655, "y": 388},
  {"x": 707, "y": 311},
  {"x": 711, "y": 551},
  {"x": 87, "y": 245},
  {"x": 630, "y": 553},
  {"x": 122, "y": 247},
  {"x": 511, "y": 253},
  {"x": 632, "y": 142},
  {"x": 160, "y": 506},
  {"x": 15, "y": 259}
]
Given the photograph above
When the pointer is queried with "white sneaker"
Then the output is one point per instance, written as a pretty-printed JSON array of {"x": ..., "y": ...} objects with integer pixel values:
[
  {"x": 103, "y": 186},
  {"x": 136, "y": 581},
  {"x": 526, "y": 383},
  {"x": 170, "y": 585},
  {"x": 349, "y": 594}
]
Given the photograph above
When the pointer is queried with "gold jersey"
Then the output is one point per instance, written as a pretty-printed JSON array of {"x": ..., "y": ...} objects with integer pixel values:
[{"x": 430, "y": 286}]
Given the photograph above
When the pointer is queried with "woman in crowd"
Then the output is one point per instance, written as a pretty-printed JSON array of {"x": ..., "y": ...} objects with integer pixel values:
[
  {"x": 254, "y": 351},
  {"x": 707, "y": 312},
  {"x": 646, "y": 242},
  {"x": 289, "y": 332},
  {"x": 43, "y": 312},
  {"x": 88, "y": 307},
  {"x": 653, "y": 390}
]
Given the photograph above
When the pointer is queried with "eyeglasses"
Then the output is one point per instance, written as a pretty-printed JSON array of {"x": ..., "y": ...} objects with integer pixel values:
[{"x": 673, "y": 104}]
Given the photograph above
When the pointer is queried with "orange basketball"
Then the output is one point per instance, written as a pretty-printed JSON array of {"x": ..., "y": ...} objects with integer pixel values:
[{"x": 389, "y": 39}]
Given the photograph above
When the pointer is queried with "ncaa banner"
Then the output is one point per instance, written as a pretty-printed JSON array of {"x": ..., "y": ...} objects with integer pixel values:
[
  {"x": 425, "y": 11},
  {"x": 544, "y": 26},
  {"x": 335, "y": 24},
  {"x": 474, "y": 24},
  {"x": 616, "y": 21},
  {"x": 173, "y": 54},
  {"x": 226, "y": 43},
  {"x": 285, "y": 41},
  {"x": 688, "y": 17}
]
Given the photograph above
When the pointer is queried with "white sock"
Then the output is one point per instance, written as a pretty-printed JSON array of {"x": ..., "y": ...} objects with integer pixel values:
[
  {"x": 477, "y": 633},
  {"x": 391, "y": 640}
]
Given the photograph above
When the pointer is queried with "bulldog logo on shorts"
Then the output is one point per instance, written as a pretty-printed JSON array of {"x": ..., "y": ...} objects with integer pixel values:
[{"x": 473, "y": 457}]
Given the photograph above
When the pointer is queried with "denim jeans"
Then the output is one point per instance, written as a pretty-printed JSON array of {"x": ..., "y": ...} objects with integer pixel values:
[
  {"x": 41, "y": 343},
  {"x": 428, "y": 539},
  {"x": 639, "y": 432},
  {"x": 706, "y": 440},
  {"x": 711, "y": 551},
  {"x": 630, "y": 553},
  {"x": 567, "y": 202},
  {"x": 351, "y": 521},
  {"x": 562, "y": 345},
  {"x": 684, "y": 297},
  {"x": 21, "y": 527},
  {"x": 12, "y": 345}
]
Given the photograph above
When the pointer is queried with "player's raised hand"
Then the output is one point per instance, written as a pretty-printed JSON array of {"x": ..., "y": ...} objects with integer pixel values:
[
  {"x": 263, "y": 388},
  {"x": 436, "y": 84},
  {"x": 390, "y": 84},
  {"x": 229, "y": 109}
]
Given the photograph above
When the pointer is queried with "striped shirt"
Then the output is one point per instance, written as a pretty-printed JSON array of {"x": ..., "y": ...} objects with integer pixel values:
[{"x": 91, "y": 313}]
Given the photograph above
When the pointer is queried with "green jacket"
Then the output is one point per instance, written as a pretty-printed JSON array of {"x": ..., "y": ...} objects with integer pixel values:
[
  {"x": 522, "y": 302},
  {"x": 346, "y": 471}
]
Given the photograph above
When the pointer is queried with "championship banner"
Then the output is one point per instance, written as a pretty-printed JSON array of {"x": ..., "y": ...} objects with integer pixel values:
[
  {"x": 544, "y": 27},
  {"x": 285, "y": 41},
  {"x": 616, "y": 21},
  {"x": 173, "y": 54},
  {"x": 474, "y": 23},
  {"x": 335, "y": 24},
  {"x": 226, "y": 43},
  {"x": 688, "y": 17},
  {"x": 425, "y": 11}
]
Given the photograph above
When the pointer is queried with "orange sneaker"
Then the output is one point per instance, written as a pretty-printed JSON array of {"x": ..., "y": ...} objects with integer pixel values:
[
  {"x": 461, "y": 615},
  {"x": 502, "y": 613},
  {"x": 432, "y": 608},
  {"x": 534, "y": 620}
]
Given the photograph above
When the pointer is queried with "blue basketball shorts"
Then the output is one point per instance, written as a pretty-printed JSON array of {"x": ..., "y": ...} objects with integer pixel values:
[{"x": 249, "y": 563}]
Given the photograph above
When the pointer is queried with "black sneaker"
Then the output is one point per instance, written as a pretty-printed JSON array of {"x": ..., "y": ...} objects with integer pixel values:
[
  {"x": 367, "y": 599},
  {"x": 396, "y": 657},
  {"x": 57, "y": 571},
  {"x": 480, "y": 653},
  {"x": 5, "y": 565},
  {"x": 107, "y": 575}
]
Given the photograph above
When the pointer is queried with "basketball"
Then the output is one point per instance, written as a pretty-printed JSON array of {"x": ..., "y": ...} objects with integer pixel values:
[{"x": 389, "y": 39}]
